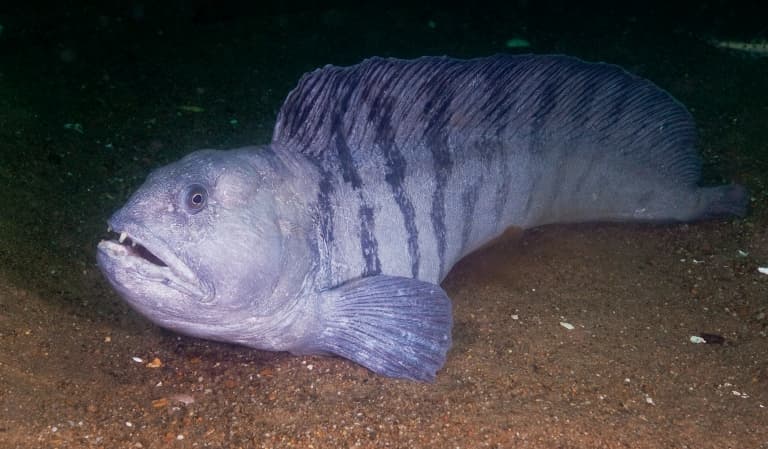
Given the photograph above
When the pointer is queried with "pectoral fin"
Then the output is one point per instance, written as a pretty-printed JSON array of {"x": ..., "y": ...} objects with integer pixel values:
[{"x": 394, "y": 326}]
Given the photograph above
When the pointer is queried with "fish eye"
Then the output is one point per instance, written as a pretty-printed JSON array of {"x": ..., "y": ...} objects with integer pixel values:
[{"x": 195, "y": 198}]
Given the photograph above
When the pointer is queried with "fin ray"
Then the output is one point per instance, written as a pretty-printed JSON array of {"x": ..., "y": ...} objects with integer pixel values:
[{"x": 394, "y": 326}]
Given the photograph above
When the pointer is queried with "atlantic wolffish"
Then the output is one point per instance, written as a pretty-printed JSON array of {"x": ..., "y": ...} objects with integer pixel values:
[{"x": 332, "y": 238}]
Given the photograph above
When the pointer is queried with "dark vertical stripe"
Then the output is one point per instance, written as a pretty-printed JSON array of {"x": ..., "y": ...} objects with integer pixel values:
[
  {"x": 348, "y": 170},
  {"x": 532, "y": 198},
  {"x": 325, "y": 220},
  {"x": 368, "y": 244},
  {"x": 409, "y": 219},
  {"x": 340, "y": 139},
  {"x": 381, "y": 114},
  {"x": 395, "y": 176},
  {"x": 438, "y": 215},
  {"x": 436, "y": 108},
  {"x": 442, "y": 164},
  {"x": 294, "y": 114},
  {"x": 469, "y": 200},
  {"x": 502, "y": 187}
]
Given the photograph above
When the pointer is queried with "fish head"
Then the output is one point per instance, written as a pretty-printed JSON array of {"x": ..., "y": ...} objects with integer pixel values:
[{"x": 199, "y": 241}]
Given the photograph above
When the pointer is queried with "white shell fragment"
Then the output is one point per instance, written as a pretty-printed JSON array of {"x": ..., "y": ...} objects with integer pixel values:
[
  {"x": 763, "y": 270},
  {"x": 568, "y": 326},
  {"x": 696, "y": 339},
  {"x": 182, "y": 398},
  {"x": 137, "y": 359}
]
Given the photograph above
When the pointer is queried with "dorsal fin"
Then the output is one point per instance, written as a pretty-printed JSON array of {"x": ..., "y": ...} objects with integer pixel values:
[{"x": 499, "y": 100}]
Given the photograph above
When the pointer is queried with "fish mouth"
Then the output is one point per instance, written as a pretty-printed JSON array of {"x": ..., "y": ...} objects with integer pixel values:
[{"x": 141, "y": 255}]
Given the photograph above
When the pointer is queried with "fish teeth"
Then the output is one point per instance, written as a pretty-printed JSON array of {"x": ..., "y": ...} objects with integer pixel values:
[{"x": 123, "y": 236}]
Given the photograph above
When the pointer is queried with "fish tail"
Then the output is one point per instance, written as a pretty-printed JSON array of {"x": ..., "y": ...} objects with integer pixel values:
[{"x": 724, "y": 201}]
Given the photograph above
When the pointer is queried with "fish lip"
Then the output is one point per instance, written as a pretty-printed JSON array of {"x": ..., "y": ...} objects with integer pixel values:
[{"x": 173, "y": 268}]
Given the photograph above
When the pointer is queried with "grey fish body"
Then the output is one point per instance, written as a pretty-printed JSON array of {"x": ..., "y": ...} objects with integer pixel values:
[
  {"x": 483, "y": 145},
  {"x": 379, "y": 178}
]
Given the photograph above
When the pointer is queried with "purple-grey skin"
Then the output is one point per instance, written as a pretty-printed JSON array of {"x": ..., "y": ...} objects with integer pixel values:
[{"x": 332, "y": 239}]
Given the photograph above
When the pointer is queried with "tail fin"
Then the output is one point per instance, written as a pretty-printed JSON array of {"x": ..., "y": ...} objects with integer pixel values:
[{"x": 724, "y": 201}]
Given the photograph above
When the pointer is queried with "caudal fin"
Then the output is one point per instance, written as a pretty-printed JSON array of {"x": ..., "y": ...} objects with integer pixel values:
[{"x": 724, "y": 201}]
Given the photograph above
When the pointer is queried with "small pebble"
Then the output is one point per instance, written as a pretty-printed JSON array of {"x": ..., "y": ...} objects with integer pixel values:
[
  {"x": 155, "y": 363},
  {"x": 183, "y": 398},
  {"x": 568, "y": 326}
]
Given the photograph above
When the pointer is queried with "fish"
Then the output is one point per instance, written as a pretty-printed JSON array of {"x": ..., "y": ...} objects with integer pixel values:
[{"x": 333, "y": 238}]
